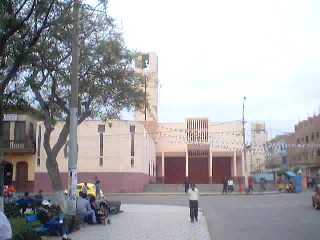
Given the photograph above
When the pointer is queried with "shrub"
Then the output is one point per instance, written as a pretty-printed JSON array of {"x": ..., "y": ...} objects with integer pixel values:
[
  {"x": 11, "y": 210},
  {"x": 21, "y": 230}
]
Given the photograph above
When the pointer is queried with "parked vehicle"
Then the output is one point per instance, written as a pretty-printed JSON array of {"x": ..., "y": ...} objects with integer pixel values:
[{"x": 91, "y": 189}]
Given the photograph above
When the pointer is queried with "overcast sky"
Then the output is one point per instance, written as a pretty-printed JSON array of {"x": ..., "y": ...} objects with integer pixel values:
[{"x": 214, "y": 52}]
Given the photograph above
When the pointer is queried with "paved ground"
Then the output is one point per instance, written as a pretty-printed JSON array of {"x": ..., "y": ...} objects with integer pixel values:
[
  {"x": 265, "y": 217},
  {"x": 148, "y": 222}
]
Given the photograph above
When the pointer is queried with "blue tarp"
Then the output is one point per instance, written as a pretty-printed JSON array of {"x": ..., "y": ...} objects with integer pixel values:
[
  {"x": 290, "y": 174},
  {"x": 269, "y": 177}
]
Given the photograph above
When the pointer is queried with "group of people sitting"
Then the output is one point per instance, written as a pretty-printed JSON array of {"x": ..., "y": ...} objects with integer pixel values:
[
  {"x": 27, "y": 202},
  {"x": 228, "y": 185},
  {"x": 88, "y": 209}
]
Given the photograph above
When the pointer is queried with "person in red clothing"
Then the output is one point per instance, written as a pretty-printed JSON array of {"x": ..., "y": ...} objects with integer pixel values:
[{"x": 250, "y": 184}]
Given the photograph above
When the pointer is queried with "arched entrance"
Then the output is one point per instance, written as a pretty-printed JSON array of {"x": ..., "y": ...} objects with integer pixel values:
[
  {"x": 21, "y": 176},
  {"x": 8, "y": 172}
]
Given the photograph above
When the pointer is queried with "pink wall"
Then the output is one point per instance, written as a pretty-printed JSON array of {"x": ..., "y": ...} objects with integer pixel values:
[{"x": 111, "y": 182}]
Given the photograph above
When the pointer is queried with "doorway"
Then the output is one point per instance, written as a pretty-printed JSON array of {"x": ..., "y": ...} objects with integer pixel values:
[
  {"x": 21, "y": 176},
  {"x": 8, "y": 173}
]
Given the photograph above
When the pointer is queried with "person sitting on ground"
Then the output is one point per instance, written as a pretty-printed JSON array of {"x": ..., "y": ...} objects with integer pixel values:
[
  {"x": 25, "y": 203},
  {"x": 43, "y": 212},
  {"x": 38, "y": 197},
  {"x": 95, "y": 208},
  {"x": 84, "y": 209}
]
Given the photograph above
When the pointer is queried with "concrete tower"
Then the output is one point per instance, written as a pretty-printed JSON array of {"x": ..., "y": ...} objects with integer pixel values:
[{"x": 147, "y": 64}]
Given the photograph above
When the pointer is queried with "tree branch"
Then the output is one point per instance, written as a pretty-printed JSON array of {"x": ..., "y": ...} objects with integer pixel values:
[
  {"x": 20, "y": 58},
  {"x": 62, "y": 139},
  {"x": 59, "y": 101},
  {"x": 5, "y": 37}
]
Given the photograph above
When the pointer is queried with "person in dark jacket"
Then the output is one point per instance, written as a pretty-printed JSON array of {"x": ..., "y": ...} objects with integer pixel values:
[
  {"x": 186, "y": 185},
  {"x": 225, "y": 186}
]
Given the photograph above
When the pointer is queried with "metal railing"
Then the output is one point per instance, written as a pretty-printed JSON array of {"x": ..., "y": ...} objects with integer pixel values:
[{"x": 26, "y": 146}]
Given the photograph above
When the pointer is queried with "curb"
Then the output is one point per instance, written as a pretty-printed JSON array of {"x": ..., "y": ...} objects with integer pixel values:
[{"x": 201, "y": 194}]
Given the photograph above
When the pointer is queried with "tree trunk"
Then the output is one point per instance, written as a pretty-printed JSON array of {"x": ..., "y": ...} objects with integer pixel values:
[
  {"x": 53, "y": 171},
  {"x": 52, "y": 164}
]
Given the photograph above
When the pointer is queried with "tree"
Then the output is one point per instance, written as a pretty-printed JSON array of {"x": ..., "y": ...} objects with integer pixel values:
[
  {"x": 107, "y": 81},
  {"x": 22, "y": 22}
]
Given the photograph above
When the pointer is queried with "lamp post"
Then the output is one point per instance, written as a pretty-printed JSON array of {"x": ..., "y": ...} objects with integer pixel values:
[{"x": 244, "y": 146}]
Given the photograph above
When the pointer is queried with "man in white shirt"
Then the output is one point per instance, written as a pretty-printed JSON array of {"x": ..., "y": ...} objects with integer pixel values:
[
  {"x": 193, "y": 202},
  {"x": 5, "y": 227}
]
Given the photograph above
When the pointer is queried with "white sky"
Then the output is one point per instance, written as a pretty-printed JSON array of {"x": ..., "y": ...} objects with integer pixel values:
[{"x": 214, "y": 52}]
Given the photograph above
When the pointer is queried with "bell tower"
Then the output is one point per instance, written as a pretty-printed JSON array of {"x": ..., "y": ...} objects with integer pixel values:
[{"x": 147, "y": 65}]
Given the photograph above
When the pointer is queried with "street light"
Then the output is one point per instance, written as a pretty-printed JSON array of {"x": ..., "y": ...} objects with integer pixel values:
[{"x": 244, "y": 145}]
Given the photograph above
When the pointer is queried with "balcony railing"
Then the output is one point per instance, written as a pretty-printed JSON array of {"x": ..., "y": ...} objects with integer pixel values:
[{"x": 12, "y": 146}]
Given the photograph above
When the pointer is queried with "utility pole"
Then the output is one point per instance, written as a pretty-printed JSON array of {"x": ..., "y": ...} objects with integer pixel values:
[
  {"x": 145, "y": 98},
  {"x": 73, "y": 148},
  {"x": 244, "y": 146}
]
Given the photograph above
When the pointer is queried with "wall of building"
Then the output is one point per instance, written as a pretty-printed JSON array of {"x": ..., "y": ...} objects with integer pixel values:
[
  {"x": 12, "y": 118},
  {"x": 171, "y": 138},
  {"x": 14, "y": 159},
  {"x": 116, "y": 170},
  {"x": 307, "y": 140},
  {"x": 225, "y": 137},
  {"x": 258, "y": 140}
]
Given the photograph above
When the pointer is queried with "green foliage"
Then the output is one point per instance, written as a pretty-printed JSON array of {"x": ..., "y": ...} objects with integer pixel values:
[
  {"x": 21, "y": 25},
  {"x": 11, "y": 210},
  {"x": 21, "y": 230},
  {"x": 107, "y": 81},
  {"x": 281, "y": 172}
]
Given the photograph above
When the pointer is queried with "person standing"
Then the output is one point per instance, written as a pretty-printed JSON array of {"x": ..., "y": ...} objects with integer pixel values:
[
  {"x": 230, "y": 185},
  {"x": 186, "y": 185},
  {"x": 262, "y": 184},
  {"x": 5, "y": 227},
  {"x": 98, "y": 187},
  {"x": 193, "y": 202},
  {"x": 251, "y": 184},
  {"x": 225, "y": 186},
  {"x": 85, "y": 188}
]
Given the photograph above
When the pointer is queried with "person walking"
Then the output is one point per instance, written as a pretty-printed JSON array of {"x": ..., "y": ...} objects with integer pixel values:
[
  {"x": 98, "y": 187},
  {"x": 193, "y": 202},
  {"x": 186, "y": 185},
  {"x": 225, "y": 186}
]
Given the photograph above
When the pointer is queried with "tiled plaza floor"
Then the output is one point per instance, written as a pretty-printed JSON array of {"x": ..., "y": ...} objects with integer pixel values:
[{"x": 148, "y": 222}]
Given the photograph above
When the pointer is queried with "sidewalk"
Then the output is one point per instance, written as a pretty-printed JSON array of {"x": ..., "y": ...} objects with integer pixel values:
[{"x": 147, "y": 222}]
